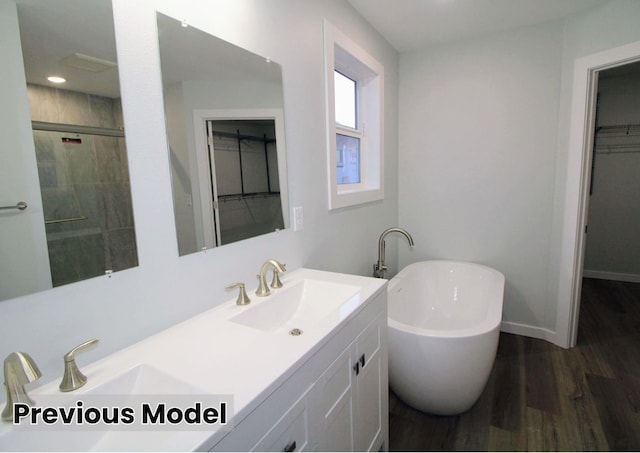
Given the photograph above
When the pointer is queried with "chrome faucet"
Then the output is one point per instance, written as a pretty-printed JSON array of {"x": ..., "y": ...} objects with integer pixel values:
[
  {"x": 263, "y": 289},
  {"x": 380, "y": 268},
  {"x": 19, "y": 369}
]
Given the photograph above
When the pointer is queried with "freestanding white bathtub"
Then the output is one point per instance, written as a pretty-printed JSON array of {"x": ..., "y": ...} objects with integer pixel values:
[{"x": 444, "y": 324}]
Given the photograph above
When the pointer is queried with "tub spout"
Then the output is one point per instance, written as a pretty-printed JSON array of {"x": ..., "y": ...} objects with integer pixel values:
[{"x": 380, "y": 268}]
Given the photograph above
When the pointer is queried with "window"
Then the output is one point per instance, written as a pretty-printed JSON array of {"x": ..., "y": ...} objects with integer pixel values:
[
  {"x": 347, "y": 132},
  {"x": 354, "y": 82},
  {"x": 346, "y": 94}
]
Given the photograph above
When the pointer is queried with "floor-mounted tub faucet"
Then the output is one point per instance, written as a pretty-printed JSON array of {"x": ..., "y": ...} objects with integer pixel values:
[
  {"x": 19, "y": 369},
  {"x": 380, "y": 268}
]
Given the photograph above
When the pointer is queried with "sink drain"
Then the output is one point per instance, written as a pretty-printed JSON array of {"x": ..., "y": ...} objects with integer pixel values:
[{"x": 295, "y": 332}]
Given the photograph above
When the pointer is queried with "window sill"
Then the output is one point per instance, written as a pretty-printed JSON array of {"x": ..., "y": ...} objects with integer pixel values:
[{"x": 344, "y": 198}]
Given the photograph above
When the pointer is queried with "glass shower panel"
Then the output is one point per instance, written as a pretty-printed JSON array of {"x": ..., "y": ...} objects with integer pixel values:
[{"x": 87, "y": 204}]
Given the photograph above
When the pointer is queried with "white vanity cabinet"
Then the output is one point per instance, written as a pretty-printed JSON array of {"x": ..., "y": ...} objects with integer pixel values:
[{"x": 336, "y": 400}]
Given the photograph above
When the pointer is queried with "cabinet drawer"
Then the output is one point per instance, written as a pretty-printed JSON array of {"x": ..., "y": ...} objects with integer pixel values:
[{"x": 290, "y": 433}]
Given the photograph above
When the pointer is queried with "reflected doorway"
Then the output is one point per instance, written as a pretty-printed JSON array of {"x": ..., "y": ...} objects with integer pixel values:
[{"x": 244, "y": 178}]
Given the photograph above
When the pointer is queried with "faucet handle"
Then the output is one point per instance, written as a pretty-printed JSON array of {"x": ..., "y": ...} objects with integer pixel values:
[
  {"x": 379, "y": 270},
  {"x": 242, "y": 299},
  {"x": 275, "y": 282},
  {"x": 73, "y": 378}
]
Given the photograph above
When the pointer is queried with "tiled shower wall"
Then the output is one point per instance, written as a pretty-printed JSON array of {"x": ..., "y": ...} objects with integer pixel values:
[{"x": 88, "y": 179}]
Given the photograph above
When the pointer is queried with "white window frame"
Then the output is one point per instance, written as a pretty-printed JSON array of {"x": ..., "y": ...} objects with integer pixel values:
[{"x": 345, "y": 56}]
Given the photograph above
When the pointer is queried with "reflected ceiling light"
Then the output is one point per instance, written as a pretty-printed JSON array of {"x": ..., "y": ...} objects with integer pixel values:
[{"x": 56, "y": 79}]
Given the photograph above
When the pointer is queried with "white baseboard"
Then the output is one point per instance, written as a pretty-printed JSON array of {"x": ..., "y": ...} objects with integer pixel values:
[
  {"x": 529, "y": 331},
  {"x": 617, "y": 276}
]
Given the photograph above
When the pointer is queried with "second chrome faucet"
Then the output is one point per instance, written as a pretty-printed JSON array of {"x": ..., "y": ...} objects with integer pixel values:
[{"x": 263, "y": 288}]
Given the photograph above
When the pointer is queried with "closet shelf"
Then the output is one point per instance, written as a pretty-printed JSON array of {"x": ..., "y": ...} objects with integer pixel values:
[{"x": 622, "y": 138}]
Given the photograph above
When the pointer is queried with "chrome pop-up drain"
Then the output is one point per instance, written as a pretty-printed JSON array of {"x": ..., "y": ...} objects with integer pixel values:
[{"x": 295, "y": 332}]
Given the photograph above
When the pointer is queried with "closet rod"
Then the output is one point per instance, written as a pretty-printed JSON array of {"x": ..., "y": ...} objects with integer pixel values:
[
  {"x": 243, "y": 136},
  {"x": 239, "y": 196},
  {"x": 618, "y": 149},
  {"x": 615, "y": 127}
]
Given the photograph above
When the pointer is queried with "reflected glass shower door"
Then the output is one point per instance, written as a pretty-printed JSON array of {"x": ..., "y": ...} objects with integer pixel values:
[{"x": 87, "y": 206}]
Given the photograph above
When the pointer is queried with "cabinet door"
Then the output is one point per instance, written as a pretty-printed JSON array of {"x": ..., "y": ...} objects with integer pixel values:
[
  {"x": 290, "y": 433},
  {"x": 369, "y": 391},
  {"x": 335, "y": 389}
]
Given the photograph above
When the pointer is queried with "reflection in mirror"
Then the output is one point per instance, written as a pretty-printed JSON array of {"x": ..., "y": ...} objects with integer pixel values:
[
  {"x": 245, "y": 183},
  {"x": 225, "y": 128},
  {"x": 80, "y": 207}
]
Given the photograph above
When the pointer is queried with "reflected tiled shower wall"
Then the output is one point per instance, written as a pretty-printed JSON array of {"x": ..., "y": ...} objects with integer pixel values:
[{"x": 83, "y": 177}]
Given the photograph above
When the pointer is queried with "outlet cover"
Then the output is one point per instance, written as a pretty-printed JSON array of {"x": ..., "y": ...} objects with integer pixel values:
[{"x": 298, "y": 218}]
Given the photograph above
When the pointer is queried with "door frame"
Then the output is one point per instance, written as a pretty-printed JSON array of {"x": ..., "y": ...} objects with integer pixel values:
[{"x": 581, "y": 127}]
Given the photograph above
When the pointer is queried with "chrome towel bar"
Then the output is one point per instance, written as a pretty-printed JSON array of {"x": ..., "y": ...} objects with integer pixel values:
[
  {"x": 70, "y": 219},
  {"x": 21, "y": 205}
]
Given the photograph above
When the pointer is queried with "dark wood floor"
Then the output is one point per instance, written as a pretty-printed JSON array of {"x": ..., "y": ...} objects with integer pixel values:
[{"x": 544, "y": 398}]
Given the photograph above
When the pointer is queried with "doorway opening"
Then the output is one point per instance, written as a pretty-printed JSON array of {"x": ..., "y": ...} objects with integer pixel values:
[
  {"x": 581, "y": 146},
  {"x": 612, "y": 248}
]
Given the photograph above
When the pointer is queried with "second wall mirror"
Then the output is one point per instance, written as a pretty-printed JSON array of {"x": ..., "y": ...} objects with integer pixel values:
[
  {"x": 225, "y": 129},
  {"x": 69, "y": 165}
]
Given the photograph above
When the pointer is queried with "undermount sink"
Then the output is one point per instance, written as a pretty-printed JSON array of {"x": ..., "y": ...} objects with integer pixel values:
[
  {"x": 301, "y": 305},
  {"x": 125, "y": 390}
]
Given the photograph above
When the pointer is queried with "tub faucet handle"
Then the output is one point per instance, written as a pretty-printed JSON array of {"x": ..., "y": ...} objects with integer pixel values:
[
  {"x": 242, "y": 299},
  {"x": 379, "y": 270}
]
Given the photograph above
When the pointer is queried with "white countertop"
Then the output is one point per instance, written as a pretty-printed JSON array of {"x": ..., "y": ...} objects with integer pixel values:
[{"x": 217, "y": 356}]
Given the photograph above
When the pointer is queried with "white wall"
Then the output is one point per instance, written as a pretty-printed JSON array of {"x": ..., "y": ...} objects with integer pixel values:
[
  {"x": 165, "y": 288},
  {"x": 478, "y": 126},
  {"x": 613, "y": 244},
  {"x": 484, "y": 147}
]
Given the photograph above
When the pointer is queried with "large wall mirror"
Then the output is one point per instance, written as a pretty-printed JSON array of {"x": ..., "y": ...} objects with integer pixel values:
[
  {"x": 225, "y": 129},
  {"x": 67, "y": 154}
]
